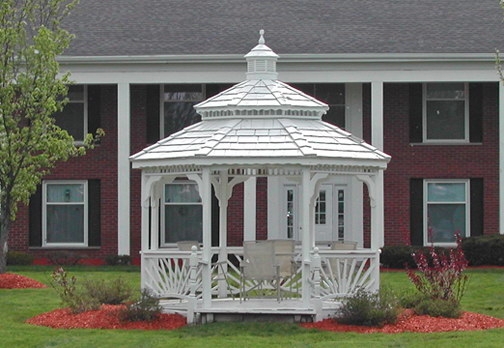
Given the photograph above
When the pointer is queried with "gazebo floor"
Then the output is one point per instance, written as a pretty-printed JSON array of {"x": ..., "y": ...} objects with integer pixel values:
[{"x": 254, "y": 309}]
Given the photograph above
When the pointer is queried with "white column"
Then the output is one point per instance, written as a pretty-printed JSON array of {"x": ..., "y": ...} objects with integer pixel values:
[
  {"x": 206, "y": 197},
  {"x": 123, "y": 169},
  {"x": 354, "y": 227},
  {"x": 305, "y": 224},
  {"x": 145, "y": 215},
  {"x": 377, "y": 141},
  {"x": 377, "y": 114},
  {"x": 154, "y": 230},
  {"x": 501, "y": 158},
  {"x": 353, "y": 108},
  {"x": 249, "y": 209}
]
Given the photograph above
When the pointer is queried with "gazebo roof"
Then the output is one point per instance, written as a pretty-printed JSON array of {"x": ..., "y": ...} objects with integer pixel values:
[{"x": 261, "y": 121}]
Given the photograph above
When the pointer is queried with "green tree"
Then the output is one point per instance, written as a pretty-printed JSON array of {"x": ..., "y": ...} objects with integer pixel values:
[{"x": 31, "y": 91}]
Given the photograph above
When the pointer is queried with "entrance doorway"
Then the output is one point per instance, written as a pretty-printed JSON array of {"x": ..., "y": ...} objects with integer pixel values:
[{"x": 329, "y": 212}]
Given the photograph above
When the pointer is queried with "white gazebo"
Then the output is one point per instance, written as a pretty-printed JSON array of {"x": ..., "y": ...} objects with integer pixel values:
[{"x": 260, "y": 127}]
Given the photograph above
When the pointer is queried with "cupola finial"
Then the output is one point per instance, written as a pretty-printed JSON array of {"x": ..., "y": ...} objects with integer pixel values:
[{"x": 261, "y": 38}]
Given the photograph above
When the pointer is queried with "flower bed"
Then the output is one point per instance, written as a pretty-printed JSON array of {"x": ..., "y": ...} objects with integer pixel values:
[
  {"x": 104, "y": 318},
  {"x": 408, "y": 322},
  {"x": 16, "y": 281}
]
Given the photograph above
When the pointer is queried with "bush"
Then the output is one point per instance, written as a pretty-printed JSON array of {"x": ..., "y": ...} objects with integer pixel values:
[
  {"x": 409, "y": 299},
  {"x": 19, "y": 258},
  {"x": 64, "y": 258},
  {"x": 115, "y": 260},
  {"x": 397, "y": 256},
  {"x": 114, "y": 291},
  {"x": 484, "y": 250},
  {"x": 438, "y": 308},
  {"x": 147, "y": 308},
  {"x": 77, "y": 300},
  {"x": 369, "y": 309},
  {"x": 441, "y": 280}
]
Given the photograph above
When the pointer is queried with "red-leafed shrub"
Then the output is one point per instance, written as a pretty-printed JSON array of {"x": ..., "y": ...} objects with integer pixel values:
[{"x": 440, "y": 275}]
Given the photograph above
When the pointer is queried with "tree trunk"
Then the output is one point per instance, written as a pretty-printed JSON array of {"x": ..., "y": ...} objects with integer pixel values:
[
  {"x": 3, "y": 250},
  {"x": 4, "y": 236}
]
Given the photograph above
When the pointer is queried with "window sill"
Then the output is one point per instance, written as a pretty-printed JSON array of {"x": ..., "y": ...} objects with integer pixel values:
[
  {"x": 445, "y": 144},
  {"x": 64, "y": 247}
]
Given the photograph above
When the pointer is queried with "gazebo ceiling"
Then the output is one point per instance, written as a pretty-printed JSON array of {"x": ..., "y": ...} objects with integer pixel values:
[{"x": 261, "y": 121}]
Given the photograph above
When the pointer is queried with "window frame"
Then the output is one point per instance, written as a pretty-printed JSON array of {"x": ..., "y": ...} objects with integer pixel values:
[
  {"x": 83, "y": 101},
  {"x": 162, "y": 103},
  {"x": 85, "y": 203},
  {"x": 162, "y": 241},
  {"x": 425, "y": 100},
  {"x": 426, "y": 203}
]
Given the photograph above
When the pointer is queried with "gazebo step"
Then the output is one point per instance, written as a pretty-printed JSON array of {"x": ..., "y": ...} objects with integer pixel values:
[
  {"x": 255, "y": 317},
  {"x": 256, "y": 310}
]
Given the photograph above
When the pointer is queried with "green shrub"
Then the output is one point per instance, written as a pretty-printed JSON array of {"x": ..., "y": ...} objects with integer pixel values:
[
  {"x": 484, "y": 250},
  {"x": 113, "y": 291},
  {"x": 397, "y": 256},
  {"x": 115, "y": 260},
  {"x": 19, "y": 258},
  {"x": 64, "y": 258},
  {"x": 438, "y": 308},
  {"x": 75, "y": 298},
  {"x": 147, "y": 308},
  {"x": 409, "y": 299},
  {"x": 369, "y": 309}
]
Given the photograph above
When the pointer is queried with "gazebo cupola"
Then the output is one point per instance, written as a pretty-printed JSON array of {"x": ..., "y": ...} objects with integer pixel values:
[
  {"x": 261, "y": 62},
  {"x": 261, "y": 95}
]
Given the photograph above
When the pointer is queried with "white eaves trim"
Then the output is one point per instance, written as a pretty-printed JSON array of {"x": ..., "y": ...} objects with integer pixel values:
[{"x": 286, "y": 58}]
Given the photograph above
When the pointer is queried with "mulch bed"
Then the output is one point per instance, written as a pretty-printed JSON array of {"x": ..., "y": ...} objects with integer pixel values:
[
  {"x": 16, "y": 281},
  {"x": 409, "y": 322},
  {"x": 107, "y": 318},
  {"x": 104, "y": 318}
]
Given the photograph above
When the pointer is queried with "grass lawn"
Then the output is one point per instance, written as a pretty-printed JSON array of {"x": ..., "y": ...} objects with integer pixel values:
[{"x": 485, "y": 294}]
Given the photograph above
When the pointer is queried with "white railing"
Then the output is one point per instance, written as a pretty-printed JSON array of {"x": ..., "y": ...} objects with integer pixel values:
[
  {"x": 342, "y": 272},
  {"x": 171, "y": 273}
]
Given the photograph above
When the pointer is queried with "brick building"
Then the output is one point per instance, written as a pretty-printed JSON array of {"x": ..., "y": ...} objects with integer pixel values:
[{"x": 416, "y": 80}]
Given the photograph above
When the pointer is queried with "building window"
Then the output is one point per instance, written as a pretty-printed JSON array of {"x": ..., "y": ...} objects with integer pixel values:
[
  {"x": 446, "y": 112},
  {"x": 73, "y": 117},
  {"x": 333, "y": 94},
  {"x": 178, "y": 106},
  {"x": 182, "y": 213},
  {"x": 65, "y": 213},
  {"x": 446, "y": 211}
]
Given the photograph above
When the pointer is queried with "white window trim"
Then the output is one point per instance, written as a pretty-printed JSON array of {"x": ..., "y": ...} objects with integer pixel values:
[
  {"x": 85, "y": 118},
  {"x": 467, "y": 203},
  {"x": 44, "y": 212},
  {"x": 163, "y": 243},
  {"x": 466, "y": 139}
]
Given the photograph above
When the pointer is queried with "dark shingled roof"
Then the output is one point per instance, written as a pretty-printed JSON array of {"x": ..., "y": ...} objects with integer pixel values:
[{"x": 171, "y": 27}]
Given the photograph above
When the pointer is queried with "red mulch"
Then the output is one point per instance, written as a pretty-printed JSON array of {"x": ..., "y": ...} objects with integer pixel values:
[
  {"x": 409, "y": 322},
  {"x": 104, "y": 318},
  {"x": 107, "y": 318},
  {"x": 16, "y": 281}
]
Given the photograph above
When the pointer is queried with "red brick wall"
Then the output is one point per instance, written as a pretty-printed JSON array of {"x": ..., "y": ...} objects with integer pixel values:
[
  {"x": 99, "y": 163},
  {"x": 435, "y": 161},
  {"x": 419, "y": 161}
]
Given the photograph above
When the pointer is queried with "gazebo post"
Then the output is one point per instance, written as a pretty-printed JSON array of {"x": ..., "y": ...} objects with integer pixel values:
[
  {"x": 146, "y": 198},
  {"x": 306, "y": 225},
  {"x": 205, "y": 191},
  {"x": 223, "y": 195},
  {"x": 374, "y": 184}
]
